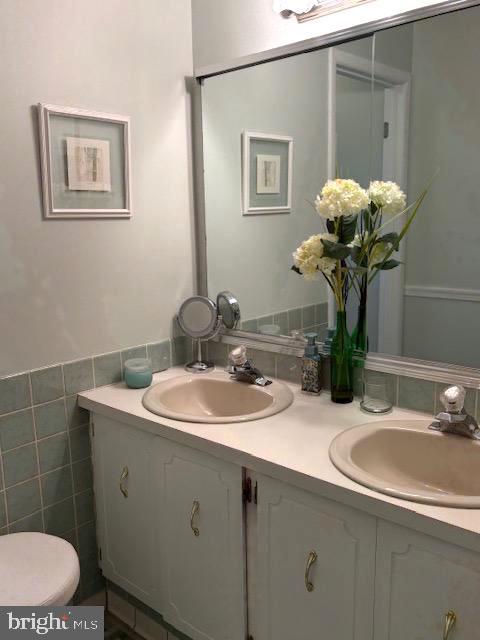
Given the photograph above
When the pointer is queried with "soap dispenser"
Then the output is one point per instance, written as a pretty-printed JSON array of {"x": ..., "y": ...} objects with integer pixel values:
[{"x": 311, "y": 366}]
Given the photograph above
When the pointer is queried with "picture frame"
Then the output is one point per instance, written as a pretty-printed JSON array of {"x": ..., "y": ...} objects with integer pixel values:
[
  {"x": 267, "y": 165},
  {"x": 85, "y": 163}
]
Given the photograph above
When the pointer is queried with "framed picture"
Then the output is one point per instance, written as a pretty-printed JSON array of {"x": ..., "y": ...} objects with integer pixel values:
[
  {"x": 267, "y": 173},
  {"x": 85, "y": 160}
]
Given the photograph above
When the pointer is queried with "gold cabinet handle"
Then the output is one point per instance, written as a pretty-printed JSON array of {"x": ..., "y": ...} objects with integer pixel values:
[
  {"x": 123, "y": 477},
  {"x": 312, "y": 558},
  {"x": 450, "y": 620},
  {"x": 193, "y": 513}
]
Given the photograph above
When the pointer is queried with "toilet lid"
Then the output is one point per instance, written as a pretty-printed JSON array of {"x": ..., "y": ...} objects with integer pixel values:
[{"x": 37, "y": 569}]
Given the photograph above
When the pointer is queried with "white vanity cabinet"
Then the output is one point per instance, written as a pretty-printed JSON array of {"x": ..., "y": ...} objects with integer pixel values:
[
  {"x": 419, "y": 580},
  {"x": 124, "y": 495},
  {"x": 315, "y": 563},
  {"x": 170, "y": 529},
  {"x": 199, "y": 523}
]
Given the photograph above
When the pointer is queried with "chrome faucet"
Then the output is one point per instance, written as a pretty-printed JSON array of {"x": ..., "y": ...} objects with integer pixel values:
[
  {"x": 455, "y": 419},
  {"x": 241, "y": 369}
]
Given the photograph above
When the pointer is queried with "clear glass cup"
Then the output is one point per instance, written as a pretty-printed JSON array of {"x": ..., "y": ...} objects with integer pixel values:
[{"x": 375, "y": 396}]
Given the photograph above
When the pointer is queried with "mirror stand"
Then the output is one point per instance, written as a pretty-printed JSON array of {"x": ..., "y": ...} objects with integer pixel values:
[{"x": 199, "y": 365}]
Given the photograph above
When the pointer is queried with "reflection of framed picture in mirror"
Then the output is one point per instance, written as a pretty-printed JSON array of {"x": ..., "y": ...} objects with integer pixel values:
[
  {"x": 85, "y": 163},
  {"x": 267, "y": 173}
]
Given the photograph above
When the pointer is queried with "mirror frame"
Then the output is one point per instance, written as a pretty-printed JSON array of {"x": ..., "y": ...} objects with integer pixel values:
[{"x": 397, "y": 365}]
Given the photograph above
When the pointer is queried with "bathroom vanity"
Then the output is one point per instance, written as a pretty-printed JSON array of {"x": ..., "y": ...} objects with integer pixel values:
[{"x": 248, "y": 530}]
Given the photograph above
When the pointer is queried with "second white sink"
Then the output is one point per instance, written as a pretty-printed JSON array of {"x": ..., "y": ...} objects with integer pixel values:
[
  {"x": 214, "y": 398},
  {"x": 407, "y": 460}
]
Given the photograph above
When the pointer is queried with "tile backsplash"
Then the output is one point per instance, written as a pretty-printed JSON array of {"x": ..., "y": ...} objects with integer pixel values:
[
  {"x": 312, "y": 317},
  {"x": 403, "y": 391},
  {"x": 45, "y": 462}
]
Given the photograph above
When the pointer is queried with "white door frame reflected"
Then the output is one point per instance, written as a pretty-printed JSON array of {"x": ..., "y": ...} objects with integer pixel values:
[{"x": 395, "y": 154}]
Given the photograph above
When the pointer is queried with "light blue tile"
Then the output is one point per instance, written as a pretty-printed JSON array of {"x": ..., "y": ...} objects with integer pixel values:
[
  {"x": 89, "y": 569},
  {"x": 78, "y": 376},
  {"x": 159, "y": 354},
  {"x": 282, "y": 320},
  {"x": 71, "y": 537},
  {"x": 53, "y": 453},
  {"x": 321, "y": 313},
  {"x": 87, "y": 540},
  {"x": 50, "y": 418},
  {"x": 76, "y": 416},
  {"x": 308, "y": 316},
  {"x": 294, "y": 320},
  {"x": 134, "y": 352},
  {"x": 416, "y": 394},
  {"x": 79, "y": 443},
  {"x": 181, "y": 351},
  {"x": 262, "y": 323},
  {"x": 264, "y": 361},
  {"x": 30, "y": 523},
  {"x": 16, "y": 429},
  {"x": 82, "y": 475},
  {"x": 289, "y": 368},
  {"x": 250, "y": 325},
  {"x": 218, "y": 353},
  {"x": 14, "y": 393},
  {"x": 56, "y": 485},
  {"x": 84, "y": 507},
  {"x": 108, "y": 369},
  {"x": 47, "y": 384},
  {"x": 59, "y": 518},
  {"x": 23, "y": 499},
  {"x": 20, "y": 464},
  {"x": 3, "y": 518}
]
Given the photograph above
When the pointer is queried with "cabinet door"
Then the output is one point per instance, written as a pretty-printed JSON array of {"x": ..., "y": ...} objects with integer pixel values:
[
  {"x": 332, "y": 599},
  {"x": 124, "y": 513},
  {"x": 200, "y": 524},
  {"x": 419, "y": 579}
]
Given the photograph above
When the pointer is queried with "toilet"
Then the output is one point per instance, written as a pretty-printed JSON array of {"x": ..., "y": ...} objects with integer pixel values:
[{"x": 37, "y": 569}]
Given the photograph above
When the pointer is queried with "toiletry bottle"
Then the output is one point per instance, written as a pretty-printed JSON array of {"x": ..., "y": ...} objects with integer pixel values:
[{"x": 311, "y": 366}]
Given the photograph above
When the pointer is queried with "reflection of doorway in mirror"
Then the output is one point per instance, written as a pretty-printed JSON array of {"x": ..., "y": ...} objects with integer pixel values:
[
  {"x": 268, "y": 174},
  {"x": 88, "y": 164}
]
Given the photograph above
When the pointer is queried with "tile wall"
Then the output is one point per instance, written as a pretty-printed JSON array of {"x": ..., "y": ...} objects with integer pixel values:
[
  {"x": 309, "y": 318},
  {"x": 45, "y": 460}
]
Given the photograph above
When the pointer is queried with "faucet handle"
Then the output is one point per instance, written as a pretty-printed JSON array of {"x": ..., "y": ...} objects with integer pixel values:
[
  {"x": 238, "y": 356},
  {"x": 453, "y": 399}
]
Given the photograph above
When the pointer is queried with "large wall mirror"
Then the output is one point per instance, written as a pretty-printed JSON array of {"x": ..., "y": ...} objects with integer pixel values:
[{"x": 400, "y": 105}]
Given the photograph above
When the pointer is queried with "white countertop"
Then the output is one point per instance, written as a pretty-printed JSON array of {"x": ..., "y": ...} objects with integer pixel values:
[{"x": 292, "y": 446}]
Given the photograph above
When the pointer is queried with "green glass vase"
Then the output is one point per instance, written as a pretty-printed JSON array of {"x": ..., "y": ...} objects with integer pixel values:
[{"x": 341, "y": 362}]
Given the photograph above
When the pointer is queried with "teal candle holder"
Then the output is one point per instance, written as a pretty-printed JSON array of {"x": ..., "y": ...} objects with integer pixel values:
[{"x": 138, "y": 373}]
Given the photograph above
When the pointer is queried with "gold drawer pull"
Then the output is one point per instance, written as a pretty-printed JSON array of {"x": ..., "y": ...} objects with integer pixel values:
[
  {"x": 193, "y": 513},
  {"x": 450, "y": 620},
  {"x": 123, "y": 477},
  {"x": 312, "y": 558}
]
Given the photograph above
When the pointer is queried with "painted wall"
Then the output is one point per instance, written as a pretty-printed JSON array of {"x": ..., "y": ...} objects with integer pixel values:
[
  {"x": 223, "y": 31},
  {"x": 252, "y": 255},
  {"x": 442, "y": 248},
  {"x": 74, "y": 288}
]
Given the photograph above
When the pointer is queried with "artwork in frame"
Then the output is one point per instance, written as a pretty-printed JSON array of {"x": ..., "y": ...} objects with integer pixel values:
[
  {"x": 85, "y": 161},
  {"x": 267, "y": 173}
]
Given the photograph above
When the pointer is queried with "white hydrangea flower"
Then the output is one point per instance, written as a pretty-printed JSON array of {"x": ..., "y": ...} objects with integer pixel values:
[
  {"x": 387, "y": 196},
  {"x": 309, "y": 258},
  {"x": 341, "y": 198}
]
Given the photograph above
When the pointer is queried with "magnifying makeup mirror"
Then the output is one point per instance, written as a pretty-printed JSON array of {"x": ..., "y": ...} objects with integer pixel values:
[{"x": 201, "y": 319}]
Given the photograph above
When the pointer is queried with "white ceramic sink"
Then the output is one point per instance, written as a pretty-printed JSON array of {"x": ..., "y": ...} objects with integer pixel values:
[
  {"x": 215, "y": 398},
  {"x": 407, "y": 460}
]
